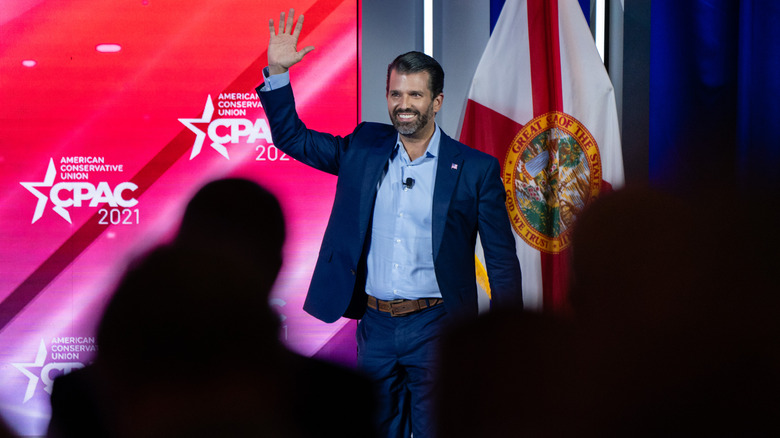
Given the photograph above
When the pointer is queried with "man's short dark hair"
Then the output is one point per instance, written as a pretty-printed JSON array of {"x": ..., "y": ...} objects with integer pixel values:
[{"x": 416, "y": 62}]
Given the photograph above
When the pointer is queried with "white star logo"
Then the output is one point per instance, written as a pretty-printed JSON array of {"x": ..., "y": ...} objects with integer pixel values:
[
  {"x": 33, "y": 383},
  {"x": 48, "y": 181},
  {"x": 200, "y": 136}
]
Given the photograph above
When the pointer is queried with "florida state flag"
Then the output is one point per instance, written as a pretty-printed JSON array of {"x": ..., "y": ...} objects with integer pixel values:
[{"x": 542, "y": 103}]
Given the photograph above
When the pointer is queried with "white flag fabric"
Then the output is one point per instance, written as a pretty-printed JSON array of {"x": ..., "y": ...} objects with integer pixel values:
[{"x": 542, "y": 103}]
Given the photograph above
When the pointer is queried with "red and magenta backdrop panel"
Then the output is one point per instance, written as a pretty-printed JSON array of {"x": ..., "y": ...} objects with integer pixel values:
[{"x": 112, "y": 115}]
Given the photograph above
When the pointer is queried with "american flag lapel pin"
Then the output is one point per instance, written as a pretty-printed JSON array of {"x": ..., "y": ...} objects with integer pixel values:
[{"x": 454, "y": 166}]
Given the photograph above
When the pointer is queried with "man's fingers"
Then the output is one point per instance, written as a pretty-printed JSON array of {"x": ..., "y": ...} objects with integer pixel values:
[
  {"x": 271, "y": 27},
  {"x": 289, "y": 24},
  {"x": 298, "y": 26},
  {"x": 281, "y": 23},
  {"x": 305, "y": 50}
]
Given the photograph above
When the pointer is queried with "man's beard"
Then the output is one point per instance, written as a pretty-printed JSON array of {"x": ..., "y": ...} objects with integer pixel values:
[{"x": 410, "y": 128}]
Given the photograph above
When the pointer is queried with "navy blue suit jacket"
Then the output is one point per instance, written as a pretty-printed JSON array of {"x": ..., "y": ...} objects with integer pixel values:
[{"x": 468, "y": 197}]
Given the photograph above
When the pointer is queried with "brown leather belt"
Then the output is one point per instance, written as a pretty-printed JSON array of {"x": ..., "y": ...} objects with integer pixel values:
[{"x": 402, "y": 307}]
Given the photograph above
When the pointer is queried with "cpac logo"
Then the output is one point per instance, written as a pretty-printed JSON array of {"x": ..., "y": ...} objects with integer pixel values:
[
  {"x": 46, "y": 371},
  {"x": 223, "y": 131},
  {"x": 76, "y": 194}
]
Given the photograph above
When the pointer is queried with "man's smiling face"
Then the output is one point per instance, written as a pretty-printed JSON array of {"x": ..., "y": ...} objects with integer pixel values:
[{"x": 411, "y": 105}]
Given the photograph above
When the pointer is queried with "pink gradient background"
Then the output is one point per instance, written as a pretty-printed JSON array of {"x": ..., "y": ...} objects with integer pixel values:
[{"x": 125, "y": 106}]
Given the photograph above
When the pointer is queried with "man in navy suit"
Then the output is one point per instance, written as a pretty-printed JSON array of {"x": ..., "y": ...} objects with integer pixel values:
[{"x": 398, "y": 251}]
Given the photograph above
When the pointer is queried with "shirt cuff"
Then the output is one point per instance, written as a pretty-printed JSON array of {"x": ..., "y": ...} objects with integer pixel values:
[{"x": 273, "y": 82}]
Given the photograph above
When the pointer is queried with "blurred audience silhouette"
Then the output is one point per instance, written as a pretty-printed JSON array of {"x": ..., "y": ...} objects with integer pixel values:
[
  {"x": 677, "y": 314},
  {"x": 674, "y": 330},
  {"x": 5, "y": 431},
  {"x": 188, "y": 345}
]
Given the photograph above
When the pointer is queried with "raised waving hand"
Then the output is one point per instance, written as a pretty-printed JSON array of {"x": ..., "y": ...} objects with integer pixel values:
[{"x": 283, "y": 50}]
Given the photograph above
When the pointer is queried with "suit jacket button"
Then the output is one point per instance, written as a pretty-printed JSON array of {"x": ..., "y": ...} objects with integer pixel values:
[{"x": 352, "y": 271}]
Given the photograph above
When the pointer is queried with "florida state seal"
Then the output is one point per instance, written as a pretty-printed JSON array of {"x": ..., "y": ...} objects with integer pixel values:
[{"x": 552, "y": 171}]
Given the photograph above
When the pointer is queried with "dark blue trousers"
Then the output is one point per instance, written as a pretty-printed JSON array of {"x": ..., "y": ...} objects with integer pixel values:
[{"x": 399, "y": 355}]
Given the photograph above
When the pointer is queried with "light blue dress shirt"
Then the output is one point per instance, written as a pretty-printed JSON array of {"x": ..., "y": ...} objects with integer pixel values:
[
  {"x": 272, "y": 82},
  {"x": 400, "y": 259}
]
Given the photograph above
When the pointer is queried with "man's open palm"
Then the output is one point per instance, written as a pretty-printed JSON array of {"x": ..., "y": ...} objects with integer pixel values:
[{"x": 282, "y": 46}]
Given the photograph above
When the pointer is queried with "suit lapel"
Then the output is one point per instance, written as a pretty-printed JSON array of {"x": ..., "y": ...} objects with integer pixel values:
[
  {"x": 376, "y": 160},
  {"x": 447, "y": 172}
]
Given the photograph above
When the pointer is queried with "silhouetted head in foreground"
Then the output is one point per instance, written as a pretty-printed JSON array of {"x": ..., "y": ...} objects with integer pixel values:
[
  {"x": 236, "y": 215},
  {"x": 194, "y": 301},
  {"x": 188, "y": 345},
  {"x": 677, "y": 313},
  {"x": 674, "y": 331}
]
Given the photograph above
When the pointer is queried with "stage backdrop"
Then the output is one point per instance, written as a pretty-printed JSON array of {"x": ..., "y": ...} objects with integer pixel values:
[{"x": 112, "y": 115}]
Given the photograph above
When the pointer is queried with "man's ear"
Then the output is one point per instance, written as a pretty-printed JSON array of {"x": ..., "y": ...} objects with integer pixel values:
[{"x": 437, "y": 102}]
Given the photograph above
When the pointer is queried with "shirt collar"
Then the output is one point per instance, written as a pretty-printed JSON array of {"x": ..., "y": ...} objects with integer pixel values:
[{"x": 433, "y": 146}]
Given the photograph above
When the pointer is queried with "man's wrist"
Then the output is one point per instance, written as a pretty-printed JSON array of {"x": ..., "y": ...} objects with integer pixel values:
[
  {"x": 276, "y": 70},
  {"x": 273, "y": 82}
]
